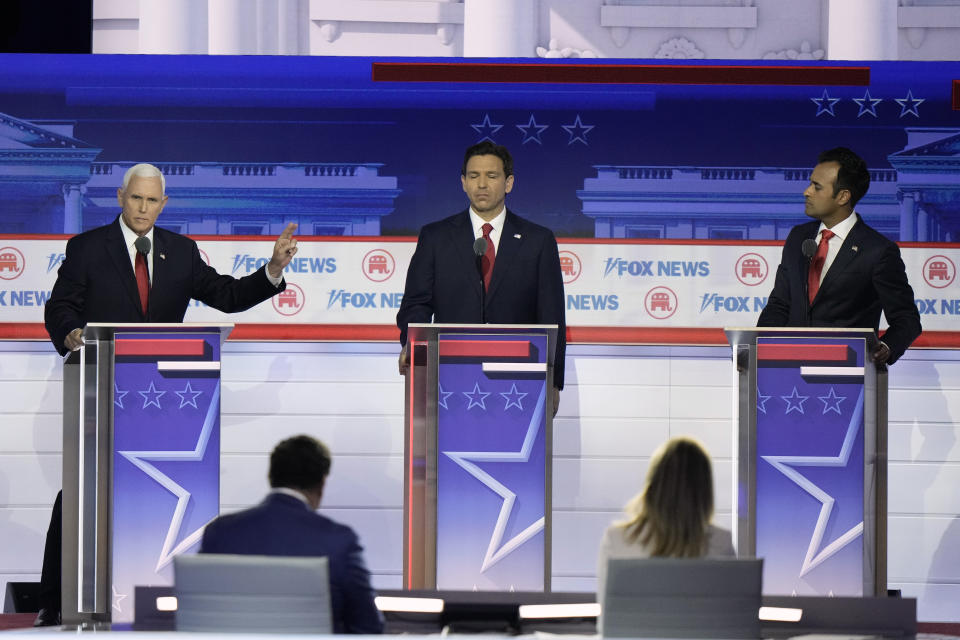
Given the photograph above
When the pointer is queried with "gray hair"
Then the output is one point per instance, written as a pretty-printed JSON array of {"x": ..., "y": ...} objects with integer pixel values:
[{"x": 144, "y": 170}]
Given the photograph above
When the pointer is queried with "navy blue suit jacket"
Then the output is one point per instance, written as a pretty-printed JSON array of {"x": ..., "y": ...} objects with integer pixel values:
[
  {"x": 96, "y": 283},
  {"x": 526, "y": 286},
  {"x": 866, "y": 277},
  {"x": 283, "y": 525}
]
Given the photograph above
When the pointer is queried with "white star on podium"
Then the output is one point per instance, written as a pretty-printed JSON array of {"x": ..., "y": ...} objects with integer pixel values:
[
  {"x": 495, "y": 552},
  {"x": 785, "y": 464},
  {"x": 139, "y": 459}
]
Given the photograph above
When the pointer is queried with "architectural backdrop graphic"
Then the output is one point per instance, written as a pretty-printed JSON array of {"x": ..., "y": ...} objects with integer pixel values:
[{"x": 249, "y": 143}]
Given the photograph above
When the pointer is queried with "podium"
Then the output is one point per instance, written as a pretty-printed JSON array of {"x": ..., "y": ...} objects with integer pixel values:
[
  {"x": 477, "y": 457},
  {"x": 811, "y": 487},
  {"x": 141, "y": 460}
]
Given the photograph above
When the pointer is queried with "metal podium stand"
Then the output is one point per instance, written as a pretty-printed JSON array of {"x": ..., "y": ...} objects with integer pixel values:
[
  {"x": 477, "y": 463},
  {"x": 124, "y": 516},
  {"x": 811, "y": 488}
]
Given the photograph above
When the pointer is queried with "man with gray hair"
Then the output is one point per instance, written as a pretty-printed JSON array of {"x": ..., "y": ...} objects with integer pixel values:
[{"x": 132, "y": 271}]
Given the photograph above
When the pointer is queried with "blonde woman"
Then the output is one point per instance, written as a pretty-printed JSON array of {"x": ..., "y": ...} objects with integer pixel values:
[{"x": 671, "y": 517}]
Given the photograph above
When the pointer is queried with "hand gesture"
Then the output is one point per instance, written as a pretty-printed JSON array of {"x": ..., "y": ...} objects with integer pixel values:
[{"x": 283, "y": 251}]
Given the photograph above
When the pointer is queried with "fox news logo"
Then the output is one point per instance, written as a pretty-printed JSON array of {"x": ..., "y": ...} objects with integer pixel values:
[
  {"x": 731, "y": 304},
  {"x": 343, "y": 299},
  {"x": 650, "y": 268},
  {"x": 247, "y": 264},
  {"x": 54, "y": 260}
]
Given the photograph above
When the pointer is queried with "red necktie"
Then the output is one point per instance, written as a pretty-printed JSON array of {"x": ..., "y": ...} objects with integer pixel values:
[
  {"x": 816, "y": 265},
  {"x": 489, "y": 257},
  {"x": 143, "y": 281}
]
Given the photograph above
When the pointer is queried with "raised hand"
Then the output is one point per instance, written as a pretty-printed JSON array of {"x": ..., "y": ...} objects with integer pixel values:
[{"x": 283, "y": 251}]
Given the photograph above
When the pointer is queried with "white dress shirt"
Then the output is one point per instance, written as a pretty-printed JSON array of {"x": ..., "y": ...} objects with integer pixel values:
[
  {"x": 496, "y": 223},
  {"x": 840, "y": 232}
]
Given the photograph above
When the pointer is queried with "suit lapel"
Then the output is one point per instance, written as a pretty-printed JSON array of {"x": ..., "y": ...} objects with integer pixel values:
[
  {"x": 117, "y": 250},
  {"x": 463, "y": 241},
  {"x": 158, "y": 277},
  {"x": 849, "y": 251},
  {"x": 510, "y": 241}
]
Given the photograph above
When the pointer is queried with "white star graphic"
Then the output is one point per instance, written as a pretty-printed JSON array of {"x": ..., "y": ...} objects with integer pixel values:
[
  {"x": 762, "y": 401},
  {"x": 909, "y": 104},
  {"x": 868, "y": 104},
  {"x": 578, "y": 131},
  {"x": 794, "y": 401},
  {"x": 513, "y": 398},
  {"x": 831, "y": 401},
  {"x": 531, "y": 131},
  {"x": 118, "y": 598},
  {"x": 486, "y": 129},
  {"x": 442, "y": 396},
  {"x": 139, "y": 460},
  {"x": 495, "y": 552},
  {"x": 476, "y": 397},
  {"x": 192, "y": 400},
  {"x": 151, "y": 396},
  {"x": 785, "y": 464},
  {"x": 118, "y": 395},
  {"x": 825, "y": 104}
]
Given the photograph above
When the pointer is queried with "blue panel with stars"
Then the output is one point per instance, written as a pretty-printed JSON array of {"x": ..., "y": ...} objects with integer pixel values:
[
  {"x": 166, "y": 479},
  {"x": 491, "y": 471},
  {"x": 810, "y": 466}
]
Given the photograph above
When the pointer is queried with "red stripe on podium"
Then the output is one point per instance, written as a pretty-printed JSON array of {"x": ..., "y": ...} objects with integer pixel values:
[
  {"x": 484, "y": 348},
  {"x": 803, "y": 352},
  {"x": 149, "y": 347}
]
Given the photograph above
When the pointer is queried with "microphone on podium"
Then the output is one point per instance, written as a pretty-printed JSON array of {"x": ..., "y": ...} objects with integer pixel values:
[{"x": 479, "y": 249}]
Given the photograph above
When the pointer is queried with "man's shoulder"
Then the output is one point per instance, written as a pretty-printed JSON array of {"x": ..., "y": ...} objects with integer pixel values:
[
  {"x": 445, "y": 223},
  {"x": 170, "y": 237},
  {"x": 526, "y": 226},
  {"x": 97, "y": 234},
  {"x": 866, "y": 233}
]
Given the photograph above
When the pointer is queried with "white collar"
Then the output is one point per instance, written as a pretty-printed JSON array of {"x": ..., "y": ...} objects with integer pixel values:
[
  {"x": 130, "y": 236},
  {"x": 842, "y": 228},
  {"x": 496, "y": 223},
  {"x": 293, "y": 493}
]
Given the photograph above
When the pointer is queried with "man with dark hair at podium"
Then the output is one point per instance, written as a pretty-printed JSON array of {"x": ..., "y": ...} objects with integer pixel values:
[
  {"x": 515, "y": 261},
  {"x": 132, "y": 271},
  {"x": 838, "y": 272},
  {"x": 286, "y": 523}
]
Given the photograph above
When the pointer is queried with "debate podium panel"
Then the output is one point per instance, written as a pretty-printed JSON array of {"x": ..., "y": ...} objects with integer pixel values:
[
  {"x": 141, "y": 461},
  {"x": 810, "y": 494},
  {"x": 477, "y": 482}
]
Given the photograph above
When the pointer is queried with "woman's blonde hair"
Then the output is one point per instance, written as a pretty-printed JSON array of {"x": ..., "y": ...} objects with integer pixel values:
[{"x": 672, "y": 514}]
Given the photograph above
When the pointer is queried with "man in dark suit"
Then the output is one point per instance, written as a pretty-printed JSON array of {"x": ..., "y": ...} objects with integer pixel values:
[
  {"x": 286, "y": 524},
  {"x": 849, "y": 272},
  {"x": 98, "y": 280},
  {"x": 525, "y": 284},
  {"x": 132, "y": 271}
]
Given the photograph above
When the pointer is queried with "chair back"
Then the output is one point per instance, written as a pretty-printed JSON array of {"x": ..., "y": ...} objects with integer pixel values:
[
  {"x": 255, "y": 594},
  {"x": 682, "y": 598}
]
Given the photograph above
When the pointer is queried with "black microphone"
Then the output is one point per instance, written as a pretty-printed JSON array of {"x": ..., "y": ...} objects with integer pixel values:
[
  {"x": 479, "y": 250},
  {"x": 809, "y": 248},
  {"x": 142, "y": 245}
]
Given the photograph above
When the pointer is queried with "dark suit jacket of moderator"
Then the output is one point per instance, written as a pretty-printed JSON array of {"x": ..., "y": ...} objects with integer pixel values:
[
  {"x": 283, "y": 525},
  {"x": 96, "y": 283},
  {"x": 526, "y": 286},
  {"x": 866, "y": 277}
]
